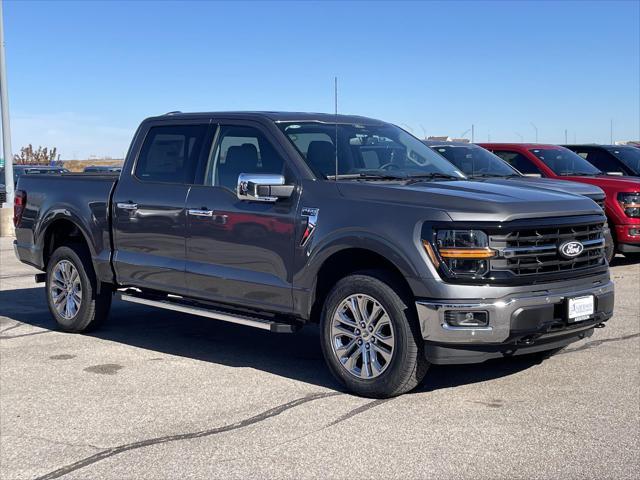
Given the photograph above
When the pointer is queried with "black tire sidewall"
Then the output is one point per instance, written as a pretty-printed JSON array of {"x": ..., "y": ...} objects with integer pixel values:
[
  {"x": 85, "y": 313},
  {"x": 406, "y": 348}
]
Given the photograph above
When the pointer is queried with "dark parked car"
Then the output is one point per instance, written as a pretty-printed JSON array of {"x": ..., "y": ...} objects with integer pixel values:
[
  {"x": 611, "y": 159},
  {"x": 402, "y": 261},
  {"x": 481, "y": 165},
  {"x": 26, "y": 169},
  {"x": 19, "y": 170},
  {"x": 102, "y": 169}
]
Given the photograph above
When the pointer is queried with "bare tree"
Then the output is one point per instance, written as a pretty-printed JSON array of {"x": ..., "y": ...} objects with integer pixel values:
[{"x": 41, "y": 156}]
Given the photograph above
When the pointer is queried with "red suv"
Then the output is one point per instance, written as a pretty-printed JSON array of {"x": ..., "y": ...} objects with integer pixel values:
[{"x": 622, "y": 204}]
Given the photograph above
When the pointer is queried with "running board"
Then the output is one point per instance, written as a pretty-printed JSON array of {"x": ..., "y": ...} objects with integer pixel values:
[{"x": 255, "y": 322}]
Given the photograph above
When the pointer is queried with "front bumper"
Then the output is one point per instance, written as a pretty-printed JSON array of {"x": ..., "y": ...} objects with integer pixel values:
[
  {"x": 517, "y": 321},
  {"x": 627, "y": 237}
]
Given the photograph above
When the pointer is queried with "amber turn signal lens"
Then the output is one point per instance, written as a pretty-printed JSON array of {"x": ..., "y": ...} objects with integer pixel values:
[
  {"x": 430, "y": 253},
  {"x": 467, "y": 253}
]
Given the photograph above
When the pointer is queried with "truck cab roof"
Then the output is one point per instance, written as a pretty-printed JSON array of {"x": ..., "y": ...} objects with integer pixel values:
[{"x": 276, "y": 116}]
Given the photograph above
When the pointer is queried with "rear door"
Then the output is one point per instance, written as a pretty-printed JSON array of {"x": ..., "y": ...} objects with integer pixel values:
[
  {"x": 240, "y": 251},
  {"x": 149, "y": 220}
]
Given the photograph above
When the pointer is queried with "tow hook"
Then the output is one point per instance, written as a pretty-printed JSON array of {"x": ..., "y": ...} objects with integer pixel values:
[{"x": 601, "y": 325}]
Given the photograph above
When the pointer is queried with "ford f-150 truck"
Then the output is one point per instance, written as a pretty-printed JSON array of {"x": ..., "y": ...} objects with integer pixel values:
[
  {"x": 622, "y": 205},
  {"x": 483, "y": 166},
  {"x": 274, "y": 220}
]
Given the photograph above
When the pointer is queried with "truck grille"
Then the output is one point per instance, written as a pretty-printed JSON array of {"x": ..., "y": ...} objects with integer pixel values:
[
  {"x": 536, "y": 251},
  {"x": 600, "y": 203}
]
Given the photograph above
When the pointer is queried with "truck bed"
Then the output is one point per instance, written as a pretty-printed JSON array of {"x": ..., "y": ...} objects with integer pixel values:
[{"x": 83, "y": 199}]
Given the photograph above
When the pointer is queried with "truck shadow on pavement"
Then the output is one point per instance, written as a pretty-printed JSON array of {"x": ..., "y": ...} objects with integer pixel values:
[{"x": 296, "y": 356}]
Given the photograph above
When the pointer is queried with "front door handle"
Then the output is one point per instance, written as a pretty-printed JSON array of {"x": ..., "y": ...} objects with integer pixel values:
[
  {"x": 128, "y": 206},
  {"x": 200, "y": 212}
]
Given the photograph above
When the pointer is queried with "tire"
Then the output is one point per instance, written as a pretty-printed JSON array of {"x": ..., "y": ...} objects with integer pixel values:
[
  {"x": 609, "y": 248},
  {"x": 70, "y": 276},
  {"x": 404, "y": 365}
]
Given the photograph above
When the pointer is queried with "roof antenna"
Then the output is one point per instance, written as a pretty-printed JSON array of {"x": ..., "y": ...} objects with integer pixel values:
[{"x": 335, "y": 98}]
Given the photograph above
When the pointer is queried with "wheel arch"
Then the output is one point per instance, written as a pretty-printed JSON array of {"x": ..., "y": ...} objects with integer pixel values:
[
  {"x": 62, "y": 230},
  {"x": 341, "y": 262}
]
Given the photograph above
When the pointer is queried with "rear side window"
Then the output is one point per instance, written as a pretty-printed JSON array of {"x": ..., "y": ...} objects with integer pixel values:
[
  {"x": 170, "y": 154},
  {"x": 519, "y": 162}
]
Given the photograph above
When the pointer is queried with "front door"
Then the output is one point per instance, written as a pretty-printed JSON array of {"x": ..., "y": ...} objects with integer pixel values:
[
  {"x": 149, "y": 219},
  {"x": 239, "y": 251}
]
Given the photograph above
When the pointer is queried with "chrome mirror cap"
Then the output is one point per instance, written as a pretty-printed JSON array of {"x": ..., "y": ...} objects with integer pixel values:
[{"x": 262, "y": 187}]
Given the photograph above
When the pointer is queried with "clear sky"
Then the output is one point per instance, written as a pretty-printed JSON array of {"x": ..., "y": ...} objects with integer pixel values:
[{"x": 83, "y": 74}]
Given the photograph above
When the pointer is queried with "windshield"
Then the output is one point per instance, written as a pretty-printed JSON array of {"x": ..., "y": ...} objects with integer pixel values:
[
  {"x": 630, "y": 156},
  {"x": 365, "y": 150},
  {"x": 565, "y": 162},
  {"x": 475, "y": 161}
]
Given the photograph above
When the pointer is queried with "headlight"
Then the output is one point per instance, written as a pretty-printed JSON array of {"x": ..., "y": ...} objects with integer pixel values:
[
  {"x": 630, "y": 203},
  {"x": 463, "y": 253}
]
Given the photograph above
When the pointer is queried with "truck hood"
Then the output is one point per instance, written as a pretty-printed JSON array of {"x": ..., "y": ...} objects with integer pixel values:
[
  {"x": 591, "y": 191},
  {"x": 611, "y": 182},
  {"x": 473, "y": 201}
]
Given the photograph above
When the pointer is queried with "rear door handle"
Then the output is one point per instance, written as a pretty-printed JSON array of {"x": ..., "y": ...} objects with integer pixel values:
[
  {"x": 200, "y": 212},
  {"x": 128, "y": 206}
]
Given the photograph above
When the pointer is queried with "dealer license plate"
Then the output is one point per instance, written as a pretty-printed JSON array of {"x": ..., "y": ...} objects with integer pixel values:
[{"x": 580, "y": 308}]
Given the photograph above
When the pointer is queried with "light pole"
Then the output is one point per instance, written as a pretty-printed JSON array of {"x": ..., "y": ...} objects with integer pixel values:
[
  {"x": 611, "y": 133},
  {"x": 536, "y": 129},
  {"x": 6, "y": 130}
]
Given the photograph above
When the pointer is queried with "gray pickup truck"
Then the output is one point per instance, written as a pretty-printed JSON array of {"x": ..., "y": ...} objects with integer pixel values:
[{"x": 275, "y": 220}]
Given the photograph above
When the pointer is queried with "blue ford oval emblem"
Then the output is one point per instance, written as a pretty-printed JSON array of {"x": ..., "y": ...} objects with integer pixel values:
[{"x": 571, "y": 249}]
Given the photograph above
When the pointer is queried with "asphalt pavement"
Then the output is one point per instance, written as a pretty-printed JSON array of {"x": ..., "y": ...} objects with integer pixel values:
[{"x": 156, "y": 394}]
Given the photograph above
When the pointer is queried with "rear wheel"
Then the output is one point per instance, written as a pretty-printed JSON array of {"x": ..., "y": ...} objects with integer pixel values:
[
  {"x": 370, "y": 337},
  {"x": 71, "y": 289}
]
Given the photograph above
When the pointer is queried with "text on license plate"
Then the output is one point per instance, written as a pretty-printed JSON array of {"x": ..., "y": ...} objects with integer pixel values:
[{"x": 580, "y": 308}]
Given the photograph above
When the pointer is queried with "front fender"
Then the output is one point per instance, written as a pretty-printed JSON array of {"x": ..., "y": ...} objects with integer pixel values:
[{"x": 304, "y": 283}]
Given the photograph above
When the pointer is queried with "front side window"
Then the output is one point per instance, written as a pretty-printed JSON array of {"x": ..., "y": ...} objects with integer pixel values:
[
  {"x": 630, "y": 156},
  {"x": 519, "y": 162},
  {"x": 475, "y": 161},
  {"x": 364, "y": 150},
  {"x": 239, "y": 150},
  {"x": 601, "y": 160},
  {"x": 170, "y": 154},
  {"x": 563, "y": 161}
]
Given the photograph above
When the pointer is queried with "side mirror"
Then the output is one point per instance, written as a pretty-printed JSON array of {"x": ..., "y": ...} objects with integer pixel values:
[{"x": 262, "y": 187}]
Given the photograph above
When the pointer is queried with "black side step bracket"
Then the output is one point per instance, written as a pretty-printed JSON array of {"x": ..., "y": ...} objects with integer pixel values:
[{"x": 177, "y": 304}]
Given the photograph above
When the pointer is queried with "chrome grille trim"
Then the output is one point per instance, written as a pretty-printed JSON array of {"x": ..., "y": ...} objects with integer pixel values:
[{"x": 525, "y": 252}]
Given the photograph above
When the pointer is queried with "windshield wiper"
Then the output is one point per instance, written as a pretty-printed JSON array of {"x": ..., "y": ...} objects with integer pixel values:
[
  {"x": 419, "y": 176},
  {"x": 578, "y": 174},
  {"x": 366, "y": 176},
  {"x": 487, "y": 175}
]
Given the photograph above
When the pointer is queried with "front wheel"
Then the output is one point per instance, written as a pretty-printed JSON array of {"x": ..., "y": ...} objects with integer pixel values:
[
  {"x": 370, "y": 337},
  {"x": 609, "y": 247},
  {"x": 71, "y": 290}
]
